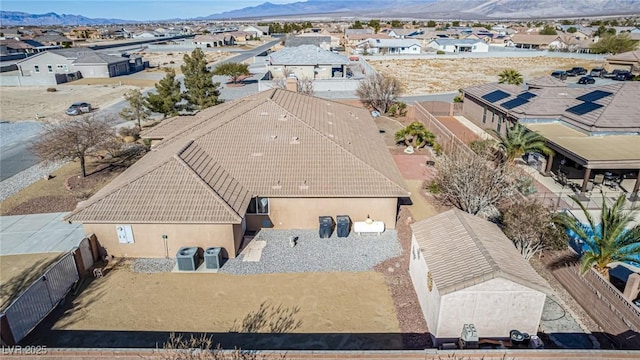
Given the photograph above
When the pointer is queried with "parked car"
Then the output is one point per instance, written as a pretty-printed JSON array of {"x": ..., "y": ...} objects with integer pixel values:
[
  {"x": 559, "y": 74},
  {"x": 587, "y": 80},
  {"x": 623, "y": 76},
  {"x": 613, "y": 73},
  {"x": 576, "y": 71},
  {"x": 78, "y": 108},
  {"x": 598, "y": 72}
]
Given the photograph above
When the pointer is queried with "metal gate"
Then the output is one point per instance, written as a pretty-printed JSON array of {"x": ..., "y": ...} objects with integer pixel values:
[
  {"x": 86, "y": 254},
  {"x": 41, "y": 297}
]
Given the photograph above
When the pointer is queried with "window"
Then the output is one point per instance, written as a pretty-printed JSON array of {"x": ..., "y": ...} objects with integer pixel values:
[
  {"x": 50, "y": 68},
  {"x": 258, "y": 206},
  {"x": 37, "y": 68},
  {"x": 59, "y": 67}
]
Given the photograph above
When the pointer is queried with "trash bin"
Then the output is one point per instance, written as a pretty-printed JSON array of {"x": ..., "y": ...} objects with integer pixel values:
[
  {"x": 213, "y": 258},
  {"x": 326, "y": 226},
  {"x": 344, "y": 225}
]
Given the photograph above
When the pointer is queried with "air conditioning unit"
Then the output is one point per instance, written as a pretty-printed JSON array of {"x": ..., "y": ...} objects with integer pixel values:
[
  {"x": 213, "y": 258},
  {"x": 187, "y": 259},
  {"x": 469, "y": 337}
]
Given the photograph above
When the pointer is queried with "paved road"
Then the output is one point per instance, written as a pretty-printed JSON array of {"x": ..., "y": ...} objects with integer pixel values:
[
  {"x": 15, "y": 155},
  {"x": 250, "y": 53}
]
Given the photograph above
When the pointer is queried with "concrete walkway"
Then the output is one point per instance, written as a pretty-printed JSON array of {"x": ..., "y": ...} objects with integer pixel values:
[{"x": 38, "y": 233}]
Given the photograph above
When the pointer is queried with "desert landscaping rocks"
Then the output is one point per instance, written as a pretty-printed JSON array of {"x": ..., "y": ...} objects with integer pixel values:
[
  {"x": 313, "y": 254},
  {"x": 150, "y": 266},
  {"x": 27, "y": 177}
]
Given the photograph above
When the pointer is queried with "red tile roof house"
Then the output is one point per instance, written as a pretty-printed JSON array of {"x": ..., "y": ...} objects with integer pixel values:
[{"x": 276, "y": 159}]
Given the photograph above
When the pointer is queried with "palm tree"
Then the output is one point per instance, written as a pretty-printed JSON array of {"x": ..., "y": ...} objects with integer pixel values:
[
  {"x": 519, "y": 140},
  {"x": 415, "y": 135},
  {"x": 611, "y": 240},
  {"x": 511, "y": 77}
]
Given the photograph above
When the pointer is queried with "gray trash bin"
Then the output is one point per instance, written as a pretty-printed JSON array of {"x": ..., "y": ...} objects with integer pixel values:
[{"x": 213, "y": 258}]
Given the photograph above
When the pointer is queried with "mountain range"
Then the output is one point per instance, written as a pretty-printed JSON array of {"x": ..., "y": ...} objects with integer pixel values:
[{"x": 386, "y": 9}]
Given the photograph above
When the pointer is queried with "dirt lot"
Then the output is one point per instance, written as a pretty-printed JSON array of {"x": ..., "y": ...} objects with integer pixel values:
[
  {"x": 175, "y": 59},
  {"x": 23, "y": 103},
  {"x": 446, "y": 75},
  {"x": 301, "y": 303}
]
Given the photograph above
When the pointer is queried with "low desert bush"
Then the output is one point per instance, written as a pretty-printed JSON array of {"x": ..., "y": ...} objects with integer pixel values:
[
  {"x": 52, "y": 89},
  {"x": 440, "y": 52},
  {"x": 126, "y": 132}
]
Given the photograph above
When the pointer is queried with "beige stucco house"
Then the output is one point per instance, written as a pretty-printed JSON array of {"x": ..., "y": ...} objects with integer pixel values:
[
  {"x": 466, "y": 271},
  {"x": 277, "y": 159},
  {"x": 307, "y": 61},
  {"x": 629, "y": 60}
]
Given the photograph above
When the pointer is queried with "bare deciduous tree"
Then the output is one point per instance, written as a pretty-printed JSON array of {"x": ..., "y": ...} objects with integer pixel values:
[
  {"x": 530, "y": 225},
  {"x": 74, "y": 139},
  {"x": 305, "y": 86},
  {"x": 472, "y": 183},
  {"x": 379, "y": 91}
]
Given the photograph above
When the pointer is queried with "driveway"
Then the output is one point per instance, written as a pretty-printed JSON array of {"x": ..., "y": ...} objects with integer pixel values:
[{"x": 38, "y": 233}]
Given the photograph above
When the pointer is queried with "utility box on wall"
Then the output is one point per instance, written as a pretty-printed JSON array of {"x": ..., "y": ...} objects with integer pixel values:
[{"x": 125, "y": 234}]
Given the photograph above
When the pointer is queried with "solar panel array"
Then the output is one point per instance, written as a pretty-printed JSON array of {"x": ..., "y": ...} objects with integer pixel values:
[
  {"x": 594, "y": 95},
  {"x": 527, "y": 95},
  {"x": 584, "y": 108},
  {"x": 514, "y": 102},
  {"x": 496, "y": 95}
]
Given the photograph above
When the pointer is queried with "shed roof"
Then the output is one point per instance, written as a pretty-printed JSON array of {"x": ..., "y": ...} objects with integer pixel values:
[
  {"x": 462, "y": 250},
  {"x": 273, "y": 144}
]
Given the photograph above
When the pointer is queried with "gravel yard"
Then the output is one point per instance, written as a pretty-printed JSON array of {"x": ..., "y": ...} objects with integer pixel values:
[{"x": 312, "y": 254}]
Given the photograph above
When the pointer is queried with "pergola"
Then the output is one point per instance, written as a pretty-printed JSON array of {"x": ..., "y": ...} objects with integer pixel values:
[{"x": 605, "y": 152}]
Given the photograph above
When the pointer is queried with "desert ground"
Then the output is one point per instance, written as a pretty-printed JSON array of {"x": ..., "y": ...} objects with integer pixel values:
[
  {"x": 17, "y": 272},
  {"x": 424, "y": 76},
  {"x": 176, "y": 59}
]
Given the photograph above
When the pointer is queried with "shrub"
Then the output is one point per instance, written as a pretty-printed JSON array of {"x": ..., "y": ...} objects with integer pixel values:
[
  {"x": 440, "y": 52},
  {"x": 133, "y": 132},
  {"x": 458, "y": 99},
  {"x": 433, "y": 187},
  {"x": 52, "y": 89},
  {"x": 437, "y": 148}
]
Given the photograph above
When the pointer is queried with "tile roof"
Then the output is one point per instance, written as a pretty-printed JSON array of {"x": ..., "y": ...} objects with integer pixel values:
[
  {"x": 625, "y": 56},
  {"x": 546, "y": 81},
  {"x": 534, "y": 39},
  {"x": 98, "y": 58},
  {"x": 457, "y": 41},
  {"x": 275, "y": 143},
  {"x": 620, "y": 112},
  {"x": 462, "y": 250},
  {"x": 306, "y": 55}
]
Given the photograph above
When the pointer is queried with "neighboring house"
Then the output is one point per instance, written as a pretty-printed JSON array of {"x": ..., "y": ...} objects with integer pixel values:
[
  {"x": 62, "y": 65},
  {"x": 257, "y": 30},
  {"x": 146, "y": 35},
  {"x": 404, "y": 33},
  {"x": 458, "y": 46},
  {"x": 10, "y": 47},
  {"x": 334, "y": 41},
  {"x": 276, "y": 159},
  {"x": 84, "y": 32},
  {"x": 307, "y": 61},
  {"x": 54, "y": 40},
  {"x": 349, "y": 32},
  {"x": 629, "y": 60},
  {"x": 212, "y": 40},
  {"x": 537, "y": 42},
  {"x": 466, "y": 271},
  {"x": 390, "y": 46},
  {"x": 355, "y": 39},
  {"x": 593, "y": 129},
  {"x": 323, "y": 42}
]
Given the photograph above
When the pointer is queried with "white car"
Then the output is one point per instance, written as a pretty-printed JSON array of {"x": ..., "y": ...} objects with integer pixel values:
[{"x": 78, "y": 108}]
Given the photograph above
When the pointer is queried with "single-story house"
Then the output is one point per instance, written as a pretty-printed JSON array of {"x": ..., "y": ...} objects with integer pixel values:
[
  {"x": 61, "y": 65},
  {"x": 212, "y": 40},
  {"x": 402, "y": 33},
  {"x": 629, "y": 60},
  {"x": 277, "y": 159},
  {"x": 53, "y": 39},
  {"x": 307, "y": 61},
  {"x": 537, "y": 42},
  {"x": 592, "y": 129},
  {"x": 390, "y": 46},
  {"x": 355, "y": 39},
  {"x": 321, "y": 41},
  {"x": 459, "y": 45},
  {"x": 257, "y": 30},
  {"x": 10, "y": 47},
  {"x": 466, "y": 271}
]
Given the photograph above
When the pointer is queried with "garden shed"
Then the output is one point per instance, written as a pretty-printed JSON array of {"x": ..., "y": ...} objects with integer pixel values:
[{"x": 466, "y": 271}]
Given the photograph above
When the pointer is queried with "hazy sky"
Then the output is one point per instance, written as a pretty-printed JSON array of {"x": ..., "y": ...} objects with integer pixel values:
[{"x": 134, "y": 9}]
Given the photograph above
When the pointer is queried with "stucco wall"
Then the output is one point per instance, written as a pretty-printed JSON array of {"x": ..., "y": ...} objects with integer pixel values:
[
  {"x": 495, "y": 307},
  {"x": 149, "y": 243},
  {"x": 303, "y": 71},
  {"x": 473, "y": 111},
  {"x": 93, "y": 71},
  {"x": 27, "y": 67},
  {"x": 418, "y": 270},
  {"x": 303, "y": 213}
]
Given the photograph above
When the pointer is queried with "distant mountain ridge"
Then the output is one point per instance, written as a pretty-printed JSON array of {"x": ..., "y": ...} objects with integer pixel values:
[{"x": 424, "y": 9}]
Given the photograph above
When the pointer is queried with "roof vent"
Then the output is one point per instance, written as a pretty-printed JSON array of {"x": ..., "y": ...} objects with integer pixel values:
[
  {"x": 304, "y": 186},
  {"x": 256, "y": 154},
  {"x": 282, "y": 117},
  {"x": 329, "y": 113},
  {"x": 277, "y": 186},
  {"x": 264, "y": 113},
  {"x": 330, "y": 122},
  {"x": 295, "y": 140},
  {"x": 330, "y": 135},
  {"x": 273, "y": 137},
  {"x": 352, "y": 114}
]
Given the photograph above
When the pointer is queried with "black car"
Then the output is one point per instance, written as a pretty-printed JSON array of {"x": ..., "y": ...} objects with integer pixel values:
[
  {"x": 587, "y": 80},
  {"x": 623, "y": 76},
  {"x": 598, "y": 72},
  {"x": 576, "y": 71},
  {"x": 559, "y": 74},
  {"x": 613, "y": 74}
]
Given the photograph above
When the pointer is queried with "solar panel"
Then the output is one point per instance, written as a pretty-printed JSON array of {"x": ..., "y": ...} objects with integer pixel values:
[
  {"x": 513, "y": 103},
  {"x": 594, "y": 95},
  {"x": 527, "y": 95},
  {"x": 495, "y": 96},
  {"x": 584, "y": 108}
]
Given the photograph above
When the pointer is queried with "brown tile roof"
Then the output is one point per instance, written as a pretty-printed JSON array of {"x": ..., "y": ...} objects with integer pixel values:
[
  {"x": 546, "y": 81},
  {"x": 620, "y": 112},
  {"x": 275, "y": 143},
  {"x": 625, "y": 56},
  {"x": 534, "y": 39},
  {"x": 462, "y": 250}
]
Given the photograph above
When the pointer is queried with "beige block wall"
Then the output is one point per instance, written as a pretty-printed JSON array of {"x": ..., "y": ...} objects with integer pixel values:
[
  {"x": 418, "y": 270},
  {"x": 149, "y": 243},
  {"x": 495, "y": 307},
  {"x": 303, "y": 213}
]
